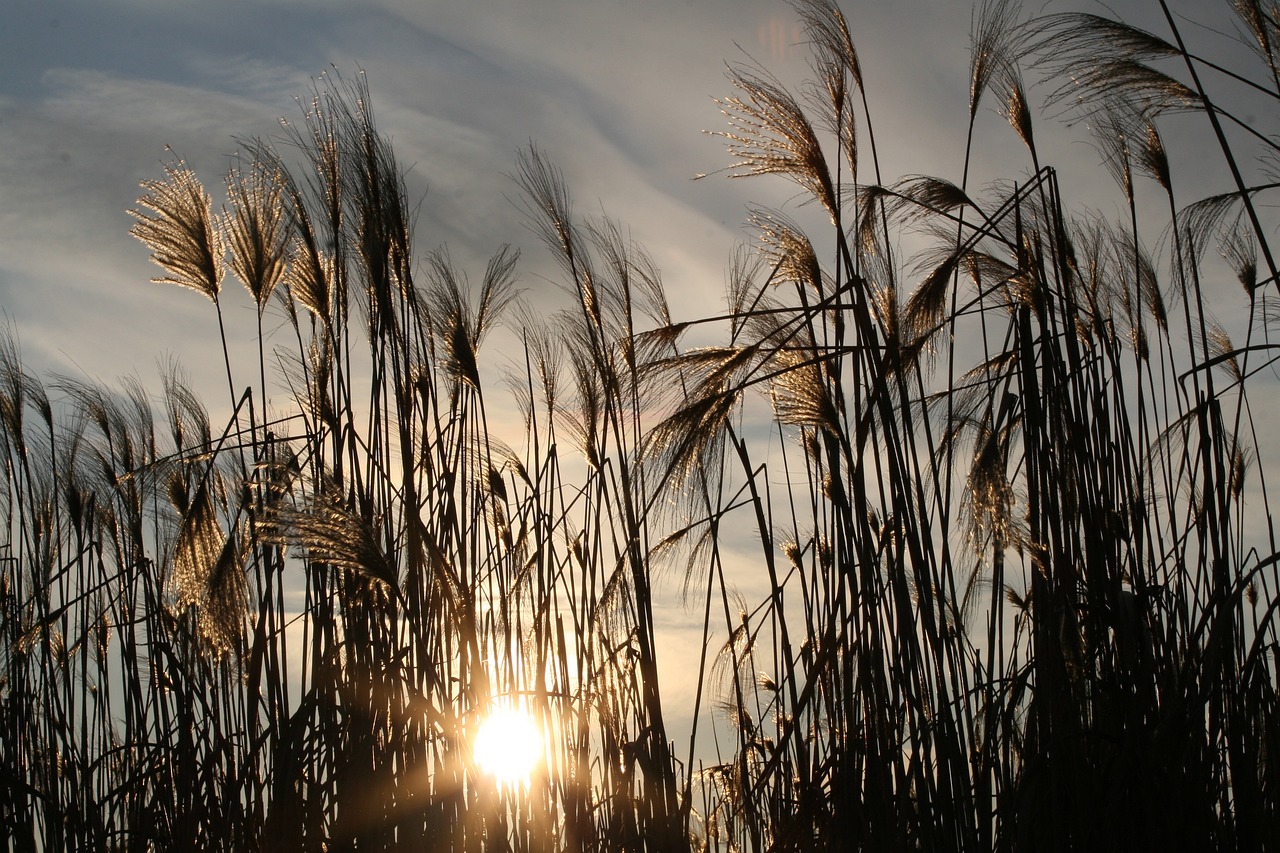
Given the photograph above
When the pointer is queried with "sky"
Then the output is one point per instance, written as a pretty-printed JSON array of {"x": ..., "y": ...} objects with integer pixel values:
[{"x": 617, "y": 93}]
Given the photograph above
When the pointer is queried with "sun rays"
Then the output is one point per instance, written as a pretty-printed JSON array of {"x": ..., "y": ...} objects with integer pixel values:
[{"x": 508, "y": 745}]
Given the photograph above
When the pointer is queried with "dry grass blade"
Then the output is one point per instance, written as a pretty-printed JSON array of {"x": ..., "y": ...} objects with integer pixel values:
[
  {"x": 1143, "y": 90},
  {"x": 1018, "y": 112},
  {"x": 310, "y": 273},
  {"x": 180, "y": 231},
  {"x": 1218, "y": 216},
  {"x": 828, "y": 32},
  {"x": 549, "y": 206},
  {"x": 206, "y": 569},
  {"x": 787, "y": 249},
  {"x": 331, "y": 534},
  {"x": 1240, "y": 251},
  {"x": 459, "y": 328},
  {"x": 772, "y": 136},
  {"x": 256, "y": 228},
  {"x": 993, "y": 52},
  {"x": 1068, "y": 43},
  {"x": 924, "y": 312},
  {"x": 1221, "y": 351},
  {"x": 1263, "y": 24},
  {"x": 835, "y": 63},
  {"x": 909, "y": 201},
  {"x": 1152, "y": 158}
]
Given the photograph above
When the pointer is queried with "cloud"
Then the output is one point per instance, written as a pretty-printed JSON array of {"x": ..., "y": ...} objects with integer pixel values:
[
  {"x": 616, "y": 93},
  {"x": 74, "y": 281}
]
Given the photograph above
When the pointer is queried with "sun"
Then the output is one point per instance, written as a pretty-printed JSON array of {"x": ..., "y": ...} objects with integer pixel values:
[{"x": 508, "y": 745}]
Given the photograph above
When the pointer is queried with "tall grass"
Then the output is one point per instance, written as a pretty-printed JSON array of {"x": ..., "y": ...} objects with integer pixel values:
[{"x": 1012, "y": 532}]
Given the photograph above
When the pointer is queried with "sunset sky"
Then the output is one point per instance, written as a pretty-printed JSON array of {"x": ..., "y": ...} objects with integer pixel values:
[{"x": 617, "y": 93}]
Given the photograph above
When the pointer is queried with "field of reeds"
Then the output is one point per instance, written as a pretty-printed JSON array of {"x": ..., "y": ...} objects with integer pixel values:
[{"x": 994, "y": 456}]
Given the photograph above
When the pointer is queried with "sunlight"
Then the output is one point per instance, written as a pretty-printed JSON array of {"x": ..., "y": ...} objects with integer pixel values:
[{"x": 508, "y": 745}]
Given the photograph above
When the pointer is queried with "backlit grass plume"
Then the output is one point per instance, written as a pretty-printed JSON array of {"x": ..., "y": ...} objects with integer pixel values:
[
  {"x": 969, "y": 498},
  {"x": 174, "y": 220}
]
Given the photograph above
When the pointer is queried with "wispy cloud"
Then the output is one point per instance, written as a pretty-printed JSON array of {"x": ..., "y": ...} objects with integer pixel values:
[{"x": 75, "y": 283}]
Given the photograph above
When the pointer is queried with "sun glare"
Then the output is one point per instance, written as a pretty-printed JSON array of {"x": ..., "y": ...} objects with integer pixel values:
[{"x": 508, "y": 745}]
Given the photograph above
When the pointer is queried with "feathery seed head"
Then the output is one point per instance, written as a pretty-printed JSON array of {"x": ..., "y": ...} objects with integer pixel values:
[
  {"x": 182, "y": 234},
  {"x": 771, "y": 135},
  {"x": 257, "y": 228}
]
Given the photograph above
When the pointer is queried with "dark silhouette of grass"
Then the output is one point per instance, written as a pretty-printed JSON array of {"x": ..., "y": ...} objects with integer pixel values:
[{"x": 1013, "y": 597}]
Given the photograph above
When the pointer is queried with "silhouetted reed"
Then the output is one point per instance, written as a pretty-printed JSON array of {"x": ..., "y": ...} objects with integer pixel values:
[{"x": 1015, "y": 568}]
